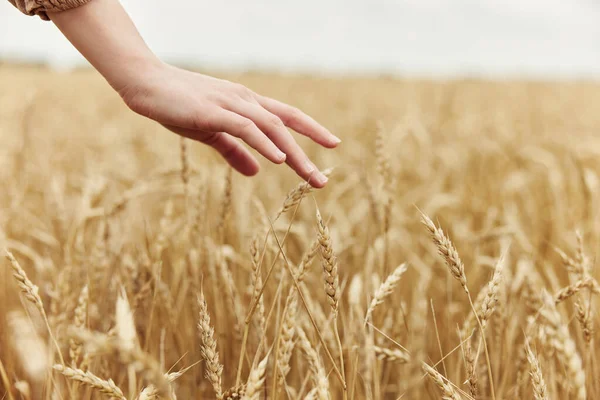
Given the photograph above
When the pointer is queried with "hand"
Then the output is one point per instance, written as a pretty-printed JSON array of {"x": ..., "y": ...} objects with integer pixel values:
[
  {"x": 212, "y": 111},
  {"x": 217, "y": 112}
]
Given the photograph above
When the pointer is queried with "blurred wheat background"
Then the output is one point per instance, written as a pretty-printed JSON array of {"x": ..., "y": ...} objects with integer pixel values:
[{"x": 139, "y": 266}]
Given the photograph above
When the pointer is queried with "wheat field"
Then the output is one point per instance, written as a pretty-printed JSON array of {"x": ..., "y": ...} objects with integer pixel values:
[{"x": 452, "y": 254}]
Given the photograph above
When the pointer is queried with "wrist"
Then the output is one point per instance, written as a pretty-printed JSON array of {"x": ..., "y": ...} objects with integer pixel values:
[
  {"x": 138, "y": 81},
  {"x": 131, "y": 71}
]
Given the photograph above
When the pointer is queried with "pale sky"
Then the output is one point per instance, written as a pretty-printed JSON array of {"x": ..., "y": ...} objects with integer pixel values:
[{"x": 534, "y": 38}]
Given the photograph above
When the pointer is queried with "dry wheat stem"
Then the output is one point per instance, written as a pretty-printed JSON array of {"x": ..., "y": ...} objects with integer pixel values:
[
  {"x": 264, "y": 285},
  {"x": 307, "y": 308},
  {"x": 5, "y": 381},
  {"x": 330, "y": 270},
  {"x": 457, "y": 269},
  {"x": 447, "y": 250}
]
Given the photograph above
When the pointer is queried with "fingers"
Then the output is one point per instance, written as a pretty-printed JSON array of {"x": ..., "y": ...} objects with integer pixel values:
[
  {"x": 273, "y": 127},
  {"x": 232, "y": 150},
  {"x": 299, "y": 121},
  {"x": 236, "y": 154},
  {"x": 244, "y": 128}
]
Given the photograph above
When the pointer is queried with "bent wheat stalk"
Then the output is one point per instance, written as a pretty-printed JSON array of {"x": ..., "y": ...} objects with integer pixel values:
[{"x": 457, "y": 269}]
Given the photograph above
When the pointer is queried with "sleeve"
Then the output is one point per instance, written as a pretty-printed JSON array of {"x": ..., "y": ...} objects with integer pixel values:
[{"x": 41, "y": 7}]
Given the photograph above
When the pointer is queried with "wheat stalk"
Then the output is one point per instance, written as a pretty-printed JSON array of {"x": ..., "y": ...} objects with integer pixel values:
[
  {"x": 331, "y": 277},
  {"x": 457, "y": 269}
]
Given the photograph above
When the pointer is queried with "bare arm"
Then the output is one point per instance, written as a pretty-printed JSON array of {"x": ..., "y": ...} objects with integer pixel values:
[{"x": 213, "y": 111}]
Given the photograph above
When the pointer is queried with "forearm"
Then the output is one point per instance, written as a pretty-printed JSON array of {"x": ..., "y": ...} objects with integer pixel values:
[{"x": 105, "y": 35}]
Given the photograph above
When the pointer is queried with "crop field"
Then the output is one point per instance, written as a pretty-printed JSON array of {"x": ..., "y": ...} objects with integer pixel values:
[{"x": 452, "y": 254}]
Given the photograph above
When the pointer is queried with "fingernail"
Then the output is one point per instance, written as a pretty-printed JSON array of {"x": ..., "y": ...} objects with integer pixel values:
[
  {"x": 336, "y": 139},
  {"x": 309, "y": 166},
  {"x": 320, "y": 178},
  {"x": 281, "y": 156}
]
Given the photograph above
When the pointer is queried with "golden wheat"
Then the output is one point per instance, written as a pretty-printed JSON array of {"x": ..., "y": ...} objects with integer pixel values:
[{"x": 129, "y": 246}]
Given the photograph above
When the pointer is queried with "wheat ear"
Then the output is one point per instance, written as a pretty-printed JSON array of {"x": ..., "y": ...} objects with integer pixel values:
[
  {"x": 565, "y": 347},
  {"x": 79, "y": 321},
  {"x": 447, "y": 251},
  {"x": 448, "y": 392},
  {"x": 385, "y": 289},
  {"x": 535, "y": 370},
  {"x": 107, "y": 387},
  {"x": 31, "y": 293},
  {"x": 208, "y": 349},
  {"x": 316, "y": 367},
  {"x": 256, "y": 380}
]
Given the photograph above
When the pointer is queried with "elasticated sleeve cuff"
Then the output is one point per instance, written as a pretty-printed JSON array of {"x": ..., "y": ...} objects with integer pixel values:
[{"x": 42, "y": 7}]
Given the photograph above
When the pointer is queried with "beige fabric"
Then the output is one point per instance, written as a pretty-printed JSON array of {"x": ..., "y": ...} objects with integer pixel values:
[{"x": 41, "y": 7}]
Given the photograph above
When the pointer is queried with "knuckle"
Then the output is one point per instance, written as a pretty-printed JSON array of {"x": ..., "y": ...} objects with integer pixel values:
[
  {"x": 265, "y": 141},
  {"x": 201, "y": 121},
  {"x": 275, "y": 122},
  {"x": 210, "y": 138},
  {"x": 231, "y": 152},
  {"x": 294, "y": 115},
  {"x": 241, "y": 90},
  {"x": 245, "y": 125}
]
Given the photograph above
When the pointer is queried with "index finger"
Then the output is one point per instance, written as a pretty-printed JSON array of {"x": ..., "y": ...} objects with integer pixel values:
[{"x": 299, "y": 121}]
